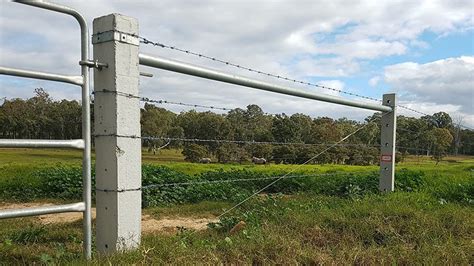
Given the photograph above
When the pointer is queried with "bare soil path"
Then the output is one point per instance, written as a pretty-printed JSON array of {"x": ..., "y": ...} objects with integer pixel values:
[{"x": 166, "y": 225}]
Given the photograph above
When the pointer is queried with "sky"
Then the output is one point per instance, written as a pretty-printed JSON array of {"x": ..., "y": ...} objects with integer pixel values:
[{"x": 421, "y": 50}]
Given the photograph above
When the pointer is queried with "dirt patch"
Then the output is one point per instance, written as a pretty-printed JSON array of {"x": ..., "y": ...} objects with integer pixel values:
[
  {"x": 172, "y": 225},
  {"x": 67, "y": 217},
  {"x": 7, "y": 206},
  {"x": 168, "y": 225}
]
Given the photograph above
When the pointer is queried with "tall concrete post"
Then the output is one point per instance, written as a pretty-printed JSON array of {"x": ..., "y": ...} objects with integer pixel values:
[
  {"x": 388, "y": 139},
  {"x": 117, "y": 128}
]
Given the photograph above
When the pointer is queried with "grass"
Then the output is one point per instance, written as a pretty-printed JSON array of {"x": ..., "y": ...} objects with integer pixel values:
[
  {"x": 302, "y": 229},
  {"x": 432, "y": 225}
]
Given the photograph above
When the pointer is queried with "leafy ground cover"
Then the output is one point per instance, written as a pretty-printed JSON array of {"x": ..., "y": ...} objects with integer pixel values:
[{"x": 338, "y": 218}]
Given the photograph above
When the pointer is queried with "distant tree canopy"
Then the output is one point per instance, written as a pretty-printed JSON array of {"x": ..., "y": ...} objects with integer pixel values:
[
  {"x": 40, "y": 118},
  {"x": 44, "y": 118}
]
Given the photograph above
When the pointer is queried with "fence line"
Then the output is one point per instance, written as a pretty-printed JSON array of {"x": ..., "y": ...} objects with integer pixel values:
[
  {"x": 200, "y": 55},
  {"x": 253, "y": 142},
  {"x": 284, "y": 176},
  {"x": 429, "y": 116},
  {"x": 143, "y": 99},
  {"x": 228, "y": 63},
  {"x": 247, "y": 179},
  {"x": 294, "y": 169},
  {"x": 148, "y": 100},
  {"x": 272, "y": 143}
]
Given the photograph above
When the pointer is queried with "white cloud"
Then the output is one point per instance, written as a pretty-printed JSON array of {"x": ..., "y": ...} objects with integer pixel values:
[
  {"x": 374, "y": 81},
  {"x": 302, "y": 39},
  {"x": 446, "y": 81},
  {"x": 335, "y": 84}
]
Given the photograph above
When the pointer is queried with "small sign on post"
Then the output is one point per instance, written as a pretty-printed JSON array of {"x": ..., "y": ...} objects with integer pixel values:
[{"x": 386, "y": 158}]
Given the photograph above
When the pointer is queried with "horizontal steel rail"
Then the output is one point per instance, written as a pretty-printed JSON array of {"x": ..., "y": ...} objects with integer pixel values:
[
  {"x": 76, "y": 80},
  {"x": 16, "y": 213},
  {"x": 185, "y": 68},
  {"x": 42, "y": 143}
]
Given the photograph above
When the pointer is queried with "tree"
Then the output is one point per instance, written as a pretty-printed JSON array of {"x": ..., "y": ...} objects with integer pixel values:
[
  {"x": 158, "y": 122},
  {"x": 457, "y": 133},
  {"x": 43, "y": 117},
  {"x": 260, "y": 150},
  {"x": 194, "y": 152},
  {"x": 205, "y": 125},
  {"x": 412, "y": 134},
  {"x": 439, "y": 120},
  {"x": 303, "y": 124},
  {"x": 250, "y": 124},
  {"x": 231, "y": 152},
  {"x": 284, "y": 129},
  {"x": 284, "y": 154},
  {"x": 325, "y": 130},
  {"x": 443, "y": 140}
]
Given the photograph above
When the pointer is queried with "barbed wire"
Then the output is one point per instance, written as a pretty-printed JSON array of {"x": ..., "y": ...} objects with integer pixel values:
[
  {"x": 413, "y": 110},
  {"x": 148, "y": 100},
  {"x": 145, "y": 40},
  {"x": 235, "y": 141},
  {"x": 207, "y": 182},
  {"x": 251, "y": 141},
  {"x": 228, "y": 63},
  {"x": 144, "y": 99},
  {"x": 168, "y": 139},
  {"x": 157, "y": 101}
]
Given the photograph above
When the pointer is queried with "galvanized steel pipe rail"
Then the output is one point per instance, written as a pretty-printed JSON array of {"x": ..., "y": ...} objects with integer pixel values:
[
  {"x": 42, "y": 143},
  {"x": 15, "y": 213},
  {"x": 185, "y": 68},
  {"x": 84, "y": 144},
  {"x": 76, "y": 80}
]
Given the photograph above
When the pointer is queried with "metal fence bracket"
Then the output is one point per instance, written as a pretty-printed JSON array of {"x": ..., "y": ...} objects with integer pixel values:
[
  {"x": 93, "y": 64},
  {"x": 108, "y": 36}
]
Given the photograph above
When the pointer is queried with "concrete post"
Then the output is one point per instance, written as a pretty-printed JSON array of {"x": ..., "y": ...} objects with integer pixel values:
[
  {"x": 117, "y": 126},
  {"x": 387, "y": 150}
]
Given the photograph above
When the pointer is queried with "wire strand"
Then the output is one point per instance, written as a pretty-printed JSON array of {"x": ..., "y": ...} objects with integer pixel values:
[
  {"x": 294, "y": 169},
  {"x": 253, "y": 142},
  {"x": 228, "y": 63},
  {"x": 244, "y": 179},
  {"x": 144, "y": 99}
]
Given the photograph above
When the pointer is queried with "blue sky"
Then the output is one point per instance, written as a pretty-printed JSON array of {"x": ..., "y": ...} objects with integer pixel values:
[
  {"x": 437, "y": 48},
  {"x": 422, "y": 50}
]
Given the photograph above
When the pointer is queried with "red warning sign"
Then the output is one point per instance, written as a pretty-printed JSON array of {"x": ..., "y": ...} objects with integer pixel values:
[{"x": 386, "y": 158}]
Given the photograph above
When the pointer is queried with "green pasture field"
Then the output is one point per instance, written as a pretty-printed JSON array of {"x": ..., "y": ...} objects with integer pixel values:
[
  {"x": 20, "y": 163},
  {"x": 433, "y": 224}
]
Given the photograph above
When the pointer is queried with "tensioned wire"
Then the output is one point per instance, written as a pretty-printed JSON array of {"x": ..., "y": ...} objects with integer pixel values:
[
  {"x": 207, "y": 182},
  {"x": 295, "y": 169},
  {"x": 288, "y": 173}
]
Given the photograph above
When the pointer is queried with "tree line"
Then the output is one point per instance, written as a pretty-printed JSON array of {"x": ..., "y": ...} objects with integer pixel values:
[{"x": 437, "y": 135}]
